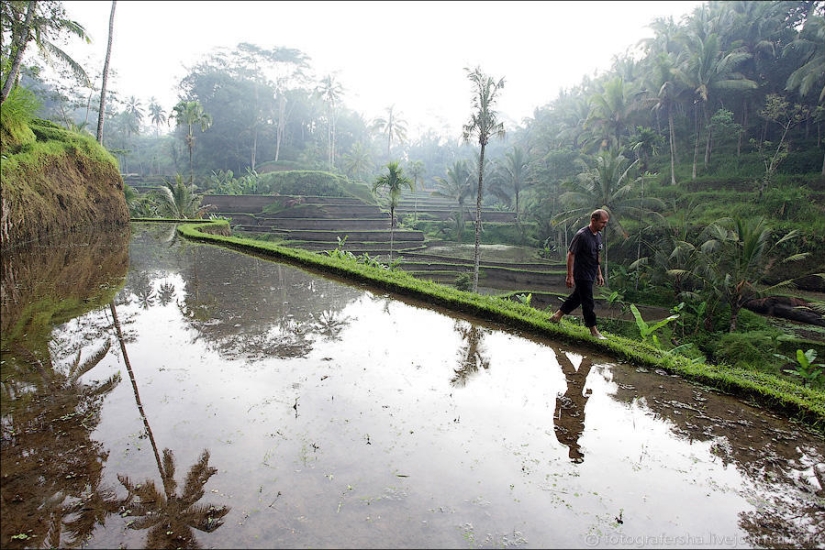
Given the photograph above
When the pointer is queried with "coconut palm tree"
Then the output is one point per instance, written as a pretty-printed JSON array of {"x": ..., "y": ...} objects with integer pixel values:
[
  {"x": 483, "y": 125},
  {"x": 179, "y": 201},
  {"x": 394, "y": 181},
  {"x": 513, "y": 176},
  {"x": 612, "y": 112},
  {"x": 808, "y": 77},
  {"x": 43, "y": 23},
  {"x": 134, "y": 109},
  {"x": 457, "y": 185},
  {"x": 156, "y": 114},
  {"x": 706, "y": 69},
  {"x": 606, "y": 182},
  {"x": 358, "y": 161},
  {"x": 190, "y": 114},
  {"x": 417, "y": 170},
  {"x": 394, "y": 126},
  {"x": 101, "y": 113},
  {"x": 330, "y": 91}
]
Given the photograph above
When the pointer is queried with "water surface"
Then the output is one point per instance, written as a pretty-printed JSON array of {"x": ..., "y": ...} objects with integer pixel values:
[{"x": 222, "y": 400}]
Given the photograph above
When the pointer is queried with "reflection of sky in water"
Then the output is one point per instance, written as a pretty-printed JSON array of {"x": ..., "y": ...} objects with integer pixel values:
[{"x": 366, "y": 439}]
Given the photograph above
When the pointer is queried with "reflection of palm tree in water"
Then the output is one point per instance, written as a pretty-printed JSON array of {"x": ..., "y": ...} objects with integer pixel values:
[
  {"x": 569, "y": 414},
  {"x": 46, "y": 415},
  {"x": 470, "y": 354},
  {"x": 170, "y": 516}
]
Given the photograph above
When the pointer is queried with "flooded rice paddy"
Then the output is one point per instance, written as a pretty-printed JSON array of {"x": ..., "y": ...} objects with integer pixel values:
[{"x": 221, "y": 400}]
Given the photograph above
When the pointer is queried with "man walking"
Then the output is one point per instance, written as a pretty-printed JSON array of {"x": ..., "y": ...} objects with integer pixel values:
[{"x": 583, "y": 269}]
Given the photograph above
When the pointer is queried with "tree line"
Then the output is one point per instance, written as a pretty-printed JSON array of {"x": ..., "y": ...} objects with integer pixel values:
[{"x": 728, "y": 103}]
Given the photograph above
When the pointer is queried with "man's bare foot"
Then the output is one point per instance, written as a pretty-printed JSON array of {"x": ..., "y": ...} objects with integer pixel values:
[
  {"x": 597, "y": 335},
  {"x": 555, "y": 318}
]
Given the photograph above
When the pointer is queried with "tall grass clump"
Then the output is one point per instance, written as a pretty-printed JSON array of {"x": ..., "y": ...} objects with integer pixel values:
[{"x": 16, "y": 115}]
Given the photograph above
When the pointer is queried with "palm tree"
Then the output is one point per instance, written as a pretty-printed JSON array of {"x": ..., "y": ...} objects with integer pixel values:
[
  {"x": 156, "y": 114},
  {"x": 134, "y": 109},
  {"x": 457, "y": 185},
  {"x": 736, "y": 257},
  {"x": 607, "y": 183},
  {"x": 668, "y": 91},
  {"x": 394, "y": 126},
  {"x": 514, "y": 176},
  {"x": 358, "y": 161},
  {"x": 645, "y": 143},
  {"x": 101, "y": 114},
  {"x": 179, "y": 201},
  {"x": 611, "y": 112},
  {"x": 394, "y": 181},
  {"x": 42, "y": 22},
  {"x": 705, "y": 69},
  {"x": 417, "y": 171},
  {"x": 483, "y": 124},
  {"x": 191, "y": 113},
  {"x": 330, "y": 92},
  {"x": 809, "y": 76},
  {"x": 573, "y": 111}
]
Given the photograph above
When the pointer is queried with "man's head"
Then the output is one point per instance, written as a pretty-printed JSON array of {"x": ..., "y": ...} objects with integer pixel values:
[{"x": 599, "y": 219}]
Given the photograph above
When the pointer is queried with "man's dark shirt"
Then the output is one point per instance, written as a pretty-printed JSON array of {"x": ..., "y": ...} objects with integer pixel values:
[{"x": 586, "y": 247}]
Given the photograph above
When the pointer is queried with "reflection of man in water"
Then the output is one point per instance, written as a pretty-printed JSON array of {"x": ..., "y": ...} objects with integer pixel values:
[{"x": 569, "y": 415}]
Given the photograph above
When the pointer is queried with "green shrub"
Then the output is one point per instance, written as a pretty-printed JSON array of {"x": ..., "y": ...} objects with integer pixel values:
[
  {"x": 15, "y": 117},
  {"x": 303, "y": 182},
  {"x": 749, "y": 350},
  {"x": 464, "y": 281}
]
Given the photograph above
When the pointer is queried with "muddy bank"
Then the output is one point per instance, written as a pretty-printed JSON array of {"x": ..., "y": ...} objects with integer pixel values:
[{"x": 47, "y": 194}]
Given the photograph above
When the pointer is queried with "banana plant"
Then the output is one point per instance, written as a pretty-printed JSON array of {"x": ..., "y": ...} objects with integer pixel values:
[
  {"x": 647, "y": 330},
  {"x": 812, "y": 373}
]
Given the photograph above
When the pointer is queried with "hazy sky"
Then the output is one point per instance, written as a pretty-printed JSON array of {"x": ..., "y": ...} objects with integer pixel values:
[{"x": 408, "y": 54}]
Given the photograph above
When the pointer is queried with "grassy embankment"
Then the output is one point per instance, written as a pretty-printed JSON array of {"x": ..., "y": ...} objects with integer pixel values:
[{"x": 797, "y": 402}]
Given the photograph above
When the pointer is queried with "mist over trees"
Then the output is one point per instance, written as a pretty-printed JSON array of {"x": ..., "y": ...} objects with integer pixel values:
[{"x": 733, "y": 92}]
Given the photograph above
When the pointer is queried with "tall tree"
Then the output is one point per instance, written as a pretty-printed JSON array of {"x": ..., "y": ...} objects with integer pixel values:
[
  {"x": 394, "y": 181},
  {"x": 358, "y": 161},
  {"x": 611, "y": 112},
  {"x": 811, "y": 75},
  {"x": 513, "y": 176},
  {"x": 668, "y": 91},
  {"x": 101, "y": 113},
  {"x": 330, "y": 91},
  {"x": 156, "y": 114},
  {"x": 42, "y": 22},
  {"x": 606, "y": 182},
  {"x": 134, "y": 109},
  {"x": 456, "y": 184},
  {"x": 483, "y": 125},
  {"x": 393, "y": 125},
  {"x": 706, "y": 69},
  {"x": 417, "y": 170},
  {"x": 191, "y": 114}
]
